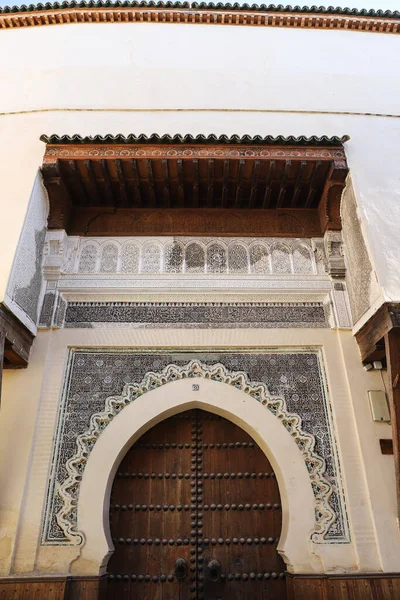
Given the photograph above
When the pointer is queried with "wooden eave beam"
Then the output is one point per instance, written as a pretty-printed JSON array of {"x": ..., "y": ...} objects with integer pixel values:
[{"x": 15, "y": 338}]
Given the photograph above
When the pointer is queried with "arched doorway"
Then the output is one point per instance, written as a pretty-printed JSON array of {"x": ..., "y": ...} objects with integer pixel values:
[{"x": 195, "y": 513}]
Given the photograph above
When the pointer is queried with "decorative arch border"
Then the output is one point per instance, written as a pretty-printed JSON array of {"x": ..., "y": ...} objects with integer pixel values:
[{"x": 69, "y": 490}]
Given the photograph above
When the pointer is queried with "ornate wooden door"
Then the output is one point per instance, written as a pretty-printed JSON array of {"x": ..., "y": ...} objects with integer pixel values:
[{"x": 195, "y": 515}]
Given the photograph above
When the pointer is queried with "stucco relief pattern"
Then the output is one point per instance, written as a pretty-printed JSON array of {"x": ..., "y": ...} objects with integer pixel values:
[
  {"x": 289, "y": 383},
  {"x": 193, "y": 255},
  {"x": 26, "y": 278},
  {"x": 362, "y": 285},
  {"x": 205, "y": 315}
]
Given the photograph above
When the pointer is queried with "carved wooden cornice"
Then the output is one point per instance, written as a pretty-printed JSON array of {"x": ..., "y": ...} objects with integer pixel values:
[{"x": 209, "y": 14}]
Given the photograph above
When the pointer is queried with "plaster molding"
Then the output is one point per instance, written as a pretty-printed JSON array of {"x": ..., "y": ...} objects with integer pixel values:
[{"x": 69, "y": 490}]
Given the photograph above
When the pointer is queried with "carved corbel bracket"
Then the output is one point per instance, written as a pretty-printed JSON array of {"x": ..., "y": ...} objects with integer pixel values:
[
  {"x": 333, "y": 244},
  {"x": 329, "y": 207}
]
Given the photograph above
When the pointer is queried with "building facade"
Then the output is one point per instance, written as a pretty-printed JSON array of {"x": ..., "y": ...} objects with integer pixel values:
[{"x": 199, "y": 327}]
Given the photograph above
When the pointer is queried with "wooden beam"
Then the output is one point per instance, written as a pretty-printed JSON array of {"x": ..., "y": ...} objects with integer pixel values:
[
  {"x": 78, "y": 181},
  {"x": 298, "y": 184},
  {"x": 107, "y": 182},
  {"x": 89, "y": 169},
  {"x": 284, "y": 181},
  {"x": 268, "y": 183},
  {"x": 313, "y": 183},
  {"x": 238, "y": 197},
  {"x": 17, "y": 343},
  {"x": 195, "y": 182},
  {"x": 392, "y": 344},
  {"x": 210, "y": 186},
  {"x": 181, "y": 188},
  {"x": 225, "y": 184},
  {"x": 167, "y": 194},
  {"x": 254, "y": 184},
  {"x": 373, "y": 331},
  {"x": 122, "y": 184},
  {"x": 150, "y": 183},
  {"x": 136, "y": 183}
]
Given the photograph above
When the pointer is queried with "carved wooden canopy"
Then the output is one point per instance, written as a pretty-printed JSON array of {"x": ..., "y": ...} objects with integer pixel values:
[{"x": 248, "y": 186}]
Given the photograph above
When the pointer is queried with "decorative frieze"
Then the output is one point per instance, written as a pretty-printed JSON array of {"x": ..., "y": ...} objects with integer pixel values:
[{"x": 195, "y": 315}]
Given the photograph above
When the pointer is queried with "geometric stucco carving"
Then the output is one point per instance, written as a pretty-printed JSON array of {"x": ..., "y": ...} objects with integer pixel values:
[{"x": 69, "y": 490}]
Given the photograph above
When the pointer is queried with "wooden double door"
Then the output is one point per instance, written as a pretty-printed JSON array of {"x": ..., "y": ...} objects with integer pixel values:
[{"x": 195, "y": 514}]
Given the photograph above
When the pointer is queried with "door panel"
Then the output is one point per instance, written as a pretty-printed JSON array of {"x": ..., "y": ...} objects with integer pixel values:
[{"x": 195, "y": 487}]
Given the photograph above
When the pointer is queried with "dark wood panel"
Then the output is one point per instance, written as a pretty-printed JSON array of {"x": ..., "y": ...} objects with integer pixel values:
[
  {"x": 86, "y": 588},
  {"x": 32, "y": 589},
  {"x": 199, "y": 222},
  {"x": 363, "y": 587}
]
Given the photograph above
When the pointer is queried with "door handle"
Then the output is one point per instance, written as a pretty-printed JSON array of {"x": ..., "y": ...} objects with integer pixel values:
[
  {"x": 180, "y": 569},
  {"x": 214, "y": 570}
]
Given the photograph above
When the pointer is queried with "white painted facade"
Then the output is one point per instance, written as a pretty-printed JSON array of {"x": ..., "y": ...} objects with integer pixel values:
[{"x": 121, "y": 78}]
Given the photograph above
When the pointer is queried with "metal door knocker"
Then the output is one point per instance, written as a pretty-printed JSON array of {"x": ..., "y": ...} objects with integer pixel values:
[
  {"x": 214, "y": 570},
  {"x": 180, "y": 568}
]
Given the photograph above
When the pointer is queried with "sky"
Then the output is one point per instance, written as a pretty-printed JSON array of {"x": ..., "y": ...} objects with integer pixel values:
[{"x": 376, "y": 4}]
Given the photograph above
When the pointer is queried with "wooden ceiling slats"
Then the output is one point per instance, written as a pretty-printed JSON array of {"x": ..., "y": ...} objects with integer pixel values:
[{"x": 197, "y": 183}]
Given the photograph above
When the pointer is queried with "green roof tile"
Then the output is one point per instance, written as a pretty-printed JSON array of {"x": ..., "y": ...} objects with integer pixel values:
[
  {"x": 205, "y": 6},
  {"x": 154, "y": 138}
]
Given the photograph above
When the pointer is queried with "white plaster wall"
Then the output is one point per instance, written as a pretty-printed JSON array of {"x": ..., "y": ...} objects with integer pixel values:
[{"x": 111, "y": 78}]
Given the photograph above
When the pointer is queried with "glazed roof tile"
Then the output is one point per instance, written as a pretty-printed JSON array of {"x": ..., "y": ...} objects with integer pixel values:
[
  {"x": 330, "y": 10},
  {"x": 154, "y": 138}
]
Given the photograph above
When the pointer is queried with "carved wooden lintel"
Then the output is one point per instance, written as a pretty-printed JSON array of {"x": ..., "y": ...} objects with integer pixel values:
[{"x": 196, "y": 222}]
